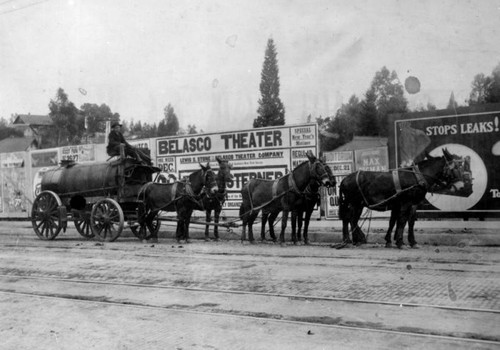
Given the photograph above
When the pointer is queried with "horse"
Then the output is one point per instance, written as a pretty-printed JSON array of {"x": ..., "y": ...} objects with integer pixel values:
[
  {"x": 181, "y": 196},
  {"x": 397, "y": 190},
  {"x": 304, "y": 206},
  {"x": 216, "y": 200},
  {"x": 271, "y": 195}
]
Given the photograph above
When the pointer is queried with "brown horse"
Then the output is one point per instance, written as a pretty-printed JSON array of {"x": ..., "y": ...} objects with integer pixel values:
[
  {"x": 271, "y": 195},
  {"x": 181, "y": 196},
  {"x": 215, "y": 201},
  {"x": 396, "y": 190}
]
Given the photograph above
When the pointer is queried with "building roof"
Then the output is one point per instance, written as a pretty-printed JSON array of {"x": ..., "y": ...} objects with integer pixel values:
[
  {"x": 29, "y": 119},
  {"x": 17, "y": 144},
  {"x": 363, "y": 142}
]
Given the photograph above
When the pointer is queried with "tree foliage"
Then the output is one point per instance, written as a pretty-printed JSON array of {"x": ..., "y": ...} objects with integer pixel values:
[
  {"x": 169, "y": 126},
  {"x": 67, "y": 119},
  {"x": 6, "y": 131},
  {"x": 96, "y": 117},
  {"x": 368, "y": 124},
  {"x": 389, "y": 97},
  {"x": 271, "y": 110}
]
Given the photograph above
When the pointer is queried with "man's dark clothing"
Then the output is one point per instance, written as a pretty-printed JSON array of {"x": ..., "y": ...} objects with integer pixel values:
[{"x": 115, "y": 138}]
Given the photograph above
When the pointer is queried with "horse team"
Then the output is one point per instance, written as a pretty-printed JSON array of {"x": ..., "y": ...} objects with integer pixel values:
[{"x": 297, "y": 192}]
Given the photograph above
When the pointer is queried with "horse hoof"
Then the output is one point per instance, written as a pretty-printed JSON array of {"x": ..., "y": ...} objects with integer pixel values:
[
  {"x": 402, "y": 247},
  {"x": 216, "y": 239},
  {"x": 415, "y": 246},
  {"x": 306, "y": 242},
  {"x": 252, "y": 241},
  {"x": 188, "y": 241},
  {"x": 207, "y": 239},
  {"x": 388, "y": 245}
]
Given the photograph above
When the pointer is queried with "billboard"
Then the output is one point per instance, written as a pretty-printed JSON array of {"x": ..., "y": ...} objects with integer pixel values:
[
  {"x": 474, "y": 137},
  {"x": 267, "y": 153}
]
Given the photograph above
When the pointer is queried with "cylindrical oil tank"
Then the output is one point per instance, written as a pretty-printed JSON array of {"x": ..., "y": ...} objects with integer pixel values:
[{"x": 95, "y": 178}]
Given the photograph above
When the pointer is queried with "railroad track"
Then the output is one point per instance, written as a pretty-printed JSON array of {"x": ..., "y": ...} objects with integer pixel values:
[
  {"x": 418, "y": 297},
  {"x": 217, "y": 308}
]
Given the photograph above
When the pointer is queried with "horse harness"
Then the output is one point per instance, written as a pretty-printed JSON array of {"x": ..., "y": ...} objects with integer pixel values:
[
  {"x": 419, "y": 176},
  {"x": 292, "y": 187}
]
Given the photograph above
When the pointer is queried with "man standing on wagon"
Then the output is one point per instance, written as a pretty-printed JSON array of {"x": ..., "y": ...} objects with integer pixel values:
[{"x": 115, "y": 139}]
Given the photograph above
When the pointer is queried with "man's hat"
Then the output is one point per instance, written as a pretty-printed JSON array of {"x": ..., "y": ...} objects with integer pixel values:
[{"x": 115, "y": 124}]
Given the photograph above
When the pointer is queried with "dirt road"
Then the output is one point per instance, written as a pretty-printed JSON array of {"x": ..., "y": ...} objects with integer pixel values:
[{"x": 77, "y": 294}]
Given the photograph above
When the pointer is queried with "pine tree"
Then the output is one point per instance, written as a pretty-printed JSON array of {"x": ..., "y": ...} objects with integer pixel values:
[{"x": 271, "y": 111}]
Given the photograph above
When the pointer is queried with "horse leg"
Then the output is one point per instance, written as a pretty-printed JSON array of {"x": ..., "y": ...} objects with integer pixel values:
[
  {"x": 284, "y": 219},
  {"x": 392, "y": 222},
  {"x": 251, "y": 218},
  {"x": 400, "y": 226},
  {"x": 216, "y": 220},
  {"x": 294, "y": 219},
  {"x": 207, "y": 227},
  {"x": 358, "y": 236},
  {"x": 189, "y": 212},
  {"x": 307, "y": 219},
  {"x": 270, "y": 222},
  {"x": 265, "y": 216},
  {"x": 412, "y": 217}
]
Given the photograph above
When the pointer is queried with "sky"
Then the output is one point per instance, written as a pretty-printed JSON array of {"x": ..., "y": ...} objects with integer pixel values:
[{"x": 204, "y": 57}]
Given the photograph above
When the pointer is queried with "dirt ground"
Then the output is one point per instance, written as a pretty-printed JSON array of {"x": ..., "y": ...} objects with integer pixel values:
[{"x": 75, "y": 294}]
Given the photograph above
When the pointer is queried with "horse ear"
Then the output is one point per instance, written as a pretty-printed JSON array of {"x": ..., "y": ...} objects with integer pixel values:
[
  {"x": 219, "y": 159},
  {"x": 447, "y": 154},
  {"x": 208, "y": 165},
  {"x": 203, "y": 167},
  {"x": 311, "y": 156}
]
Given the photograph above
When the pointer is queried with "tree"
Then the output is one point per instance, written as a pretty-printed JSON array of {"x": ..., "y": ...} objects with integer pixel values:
[
  {"x": 68, "y": 122},
  {"x": 169, "y": 126},
  {"x": 368, "y": 117},
  {"x": 479, "y": 92},
  {"x": 493, "y": 89},
  {"x": 336, "y": 131},
  {"x": 6, "y": 131},
  {"x": 452, "y": 104},
  {"x": 191, "y": 129},
  {"x": 271, "y": 111},
  {"x": 96, "y": 117},
  {"x": 389, "y": 93}
]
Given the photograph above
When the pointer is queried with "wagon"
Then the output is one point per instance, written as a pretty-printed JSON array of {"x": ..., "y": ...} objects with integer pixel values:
[{"x": 99, "y": 197}]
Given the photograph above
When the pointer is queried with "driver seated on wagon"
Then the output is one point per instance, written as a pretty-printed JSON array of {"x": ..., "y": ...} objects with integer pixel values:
[{"x": 116, "y": 139}]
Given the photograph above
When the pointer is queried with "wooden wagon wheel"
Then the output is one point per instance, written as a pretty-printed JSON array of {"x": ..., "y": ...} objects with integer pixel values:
[
  {"x": 106, "y": 220},
  {"x": 82, "y": 225},
  {"x": 145, "y": 231},
  {"x": 48, "y": 215}
]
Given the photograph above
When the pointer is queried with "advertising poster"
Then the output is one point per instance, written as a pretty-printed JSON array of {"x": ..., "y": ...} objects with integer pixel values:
[
  {"x": 341, "y": 164},
  {"x": 473, "y": 138},
  {"x": 267, "y": 153},
  {"x": 41, "y": 161},
  {"x": 78, "y": 153},
  {"x": 15, "y": 193}
]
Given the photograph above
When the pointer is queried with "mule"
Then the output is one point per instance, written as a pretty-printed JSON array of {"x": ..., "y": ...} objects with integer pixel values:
[
  {"x": 397, "y": 190},
  {"x": 182, "y": 197},
  {"x": 216, "y": 200},
  {"x": 300, "y": 203},
  {"x": 271, "y": 195},
  {"x": 304, "y": 206}
]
